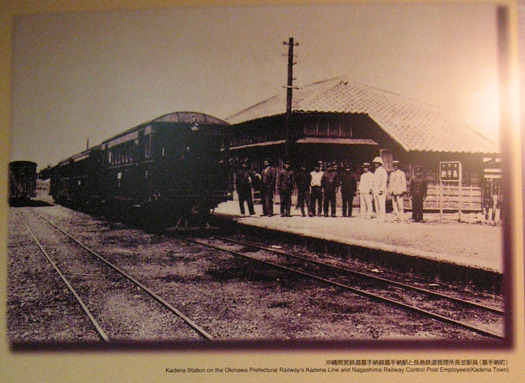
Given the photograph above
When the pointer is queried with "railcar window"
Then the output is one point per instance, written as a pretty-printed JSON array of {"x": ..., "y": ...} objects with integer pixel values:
[{"x": 147, "y": 149}]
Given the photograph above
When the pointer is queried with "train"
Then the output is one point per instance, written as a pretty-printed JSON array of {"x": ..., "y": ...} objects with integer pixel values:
[
  {"x": 22, "y": 182},
  {"x": 163, "y": 172}
]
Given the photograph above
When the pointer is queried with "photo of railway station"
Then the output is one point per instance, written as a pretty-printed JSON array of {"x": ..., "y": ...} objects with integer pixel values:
[{"x": 288, "y": 194}]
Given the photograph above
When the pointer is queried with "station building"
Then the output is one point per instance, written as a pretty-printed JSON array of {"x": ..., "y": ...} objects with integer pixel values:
[{"x": 350, "y": 123}]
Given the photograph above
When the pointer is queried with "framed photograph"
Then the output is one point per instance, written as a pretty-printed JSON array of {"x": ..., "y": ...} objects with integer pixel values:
[{"x": 262, "y": 192}]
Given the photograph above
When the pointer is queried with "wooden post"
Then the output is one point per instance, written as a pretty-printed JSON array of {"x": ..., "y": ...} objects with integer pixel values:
[
  {"x": 460, "y": 186},
  {"x": 440, "y": 200},
  {"x": 289, "y": 88}
]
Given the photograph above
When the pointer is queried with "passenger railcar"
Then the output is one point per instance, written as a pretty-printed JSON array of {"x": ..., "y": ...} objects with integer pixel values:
[
  {"x": 169, "y": 169},
  {"x": 22, "y": 181},
  {"x": 77, "y": 181}
]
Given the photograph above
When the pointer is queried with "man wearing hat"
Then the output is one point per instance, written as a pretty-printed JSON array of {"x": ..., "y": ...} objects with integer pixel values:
[
  {"x": 267, "y": 188},
  {"x": 398, "y": 187},
  {"x": 348, "y": 188},
  {"x": 286, "y": 186},
  {"x": 365, "y": 191},
  {"x": 380, "y": 188},
  {"x": 316, "y": 190},
  {"x": 418, "y": 193},
  {"x": 303, "y": 180},
  {"x": 243, "y": 182},
  {"x": 330, "y": 186}
]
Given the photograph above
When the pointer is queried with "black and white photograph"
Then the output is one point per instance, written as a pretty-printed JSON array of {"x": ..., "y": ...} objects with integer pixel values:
[{"x": 259, "y": 177}]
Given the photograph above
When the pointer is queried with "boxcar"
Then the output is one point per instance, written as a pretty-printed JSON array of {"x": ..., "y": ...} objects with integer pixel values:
[{"x": 22, "y": 181}]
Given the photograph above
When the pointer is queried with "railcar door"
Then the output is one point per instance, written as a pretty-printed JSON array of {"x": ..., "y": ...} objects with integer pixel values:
[{"x": 143, "y": 161}]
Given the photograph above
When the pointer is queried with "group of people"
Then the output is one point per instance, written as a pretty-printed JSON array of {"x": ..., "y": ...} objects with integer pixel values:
[
  {"x": 317, "y": 190},
  {"x": 374, "y": 187}
]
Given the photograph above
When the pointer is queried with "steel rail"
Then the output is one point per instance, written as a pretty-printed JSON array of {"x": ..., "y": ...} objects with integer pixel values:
[
  {"x": 99, "y": 329},
  {"x": 186, "y": 319},
  {"x": 354, "y": 290},
  {"x": 364, "y": 275}
]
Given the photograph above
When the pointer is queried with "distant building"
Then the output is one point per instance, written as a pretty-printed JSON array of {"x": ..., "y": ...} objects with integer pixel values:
[{"x": 336, "y": 120}]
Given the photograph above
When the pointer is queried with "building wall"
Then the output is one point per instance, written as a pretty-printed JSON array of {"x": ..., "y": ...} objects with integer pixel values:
[{"x": 331, "y": 125}]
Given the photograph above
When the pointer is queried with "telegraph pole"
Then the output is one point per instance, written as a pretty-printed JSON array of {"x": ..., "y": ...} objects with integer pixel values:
[{"x": 289, "y": 87}]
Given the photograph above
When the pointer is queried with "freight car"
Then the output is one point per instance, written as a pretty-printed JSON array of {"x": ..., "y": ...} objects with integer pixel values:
[
  {"x": 22, "y": 182},
  {"x": 168, "y": 170}
]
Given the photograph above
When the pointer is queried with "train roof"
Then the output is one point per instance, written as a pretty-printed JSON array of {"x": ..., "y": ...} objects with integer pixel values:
[
  {"x": 175, "y": 117},
  {"x": 79, "y": 156},
  {"x": 178, "y": 118},
  {"x": 22, "y": 163},
  {"x": 84, "y": 154},
  {"x": 190, "y": 117}
]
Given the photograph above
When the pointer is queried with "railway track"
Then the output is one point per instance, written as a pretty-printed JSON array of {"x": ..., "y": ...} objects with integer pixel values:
[
  {"x": 459, "y": 313},
  {"x": 103, "y": 261},
  {"x": 441, "y": 307}
]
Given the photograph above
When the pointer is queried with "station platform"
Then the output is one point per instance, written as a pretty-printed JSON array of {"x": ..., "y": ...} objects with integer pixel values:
[{"x": 471, "y": 243}]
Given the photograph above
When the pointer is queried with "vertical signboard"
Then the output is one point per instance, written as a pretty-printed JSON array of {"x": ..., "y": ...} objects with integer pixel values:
[{"x": 450, "y": 172}]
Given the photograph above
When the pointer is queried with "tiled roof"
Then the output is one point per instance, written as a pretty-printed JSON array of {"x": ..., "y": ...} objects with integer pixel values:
[{"x": 416, "y": 126}]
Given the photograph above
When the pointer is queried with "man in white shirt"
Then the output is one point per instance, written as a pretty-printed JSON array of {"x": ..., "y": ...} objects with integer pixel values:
[
  {"x": 365, "y": 191},
  {"x": 380, "y": 188},
  {"x": 316, "y": 194},
  {"x": 398, "y": 187}
]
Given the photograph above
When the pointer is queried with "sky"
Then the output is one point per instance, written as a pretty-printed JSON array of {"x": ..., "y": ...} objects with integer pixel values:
[{"x": 92, "y": 75}]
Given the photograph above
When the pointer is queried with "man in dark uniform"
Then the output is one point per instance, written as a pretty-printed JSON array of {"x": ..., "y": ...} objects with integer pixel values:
[
  {"x": 330, "y": 185},
  {"x": 418, "y": 193},
  {"x": 286, "y": 186},
  {"x": 348, "y": 188},
  {"x": 267, "y": 188},
  {"x": 243, "y": 182},
  {"x": 302, "y": 180}
]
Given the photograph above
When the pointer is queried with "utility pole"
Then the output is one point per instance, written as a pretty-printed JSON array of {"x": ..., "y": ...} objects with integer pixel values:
[{"x": 289, "y": 87}]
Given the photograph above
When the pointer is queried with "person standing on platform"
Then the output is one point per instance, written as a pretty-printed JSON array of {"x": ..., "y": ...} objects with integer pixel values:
[
  {"x": 267, "y": 188},
  {"x": 330, "y": 186},
  {"x": 398, "y": 187},
  {"x": 380, "y": 188},
  {"x": 316, "y": 195},
  {"x": 365, "y": 191},
  {"x": 418, "y": 193},
  {"x": 303, "y": 181},
  {"x": 286, "y": 186},
  {"x": 243, "y": 183},
  {"x": 348, "y": 188}
]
